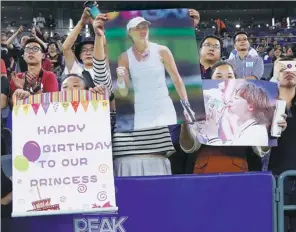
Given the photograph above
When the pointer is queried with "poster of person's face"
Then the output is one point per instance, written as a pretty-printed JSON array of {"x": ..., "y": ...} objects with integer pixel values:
[
  {"x": 154, "y": 66},
  {"x": 239, "y": 113}
]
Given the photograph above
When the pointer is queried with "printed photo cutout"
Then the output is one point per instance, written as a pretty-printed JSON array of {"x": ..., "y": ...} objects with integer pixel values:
[
  {"x": 153, "y": 62},
  {"x": 239, "y": 113}
]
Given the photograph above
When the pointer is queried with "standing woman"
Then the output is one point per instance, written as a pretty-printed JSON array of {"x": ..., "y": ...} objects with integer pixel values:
[{"x": 145, "y": 63}]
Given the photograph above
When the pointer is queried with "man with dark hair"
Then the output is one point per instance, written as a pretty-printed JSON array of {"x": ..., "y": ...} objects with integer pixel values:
[
  {"x": 35, "y": 80},
  {"x": 245, "y": 65},
  {"x": 251, "y": 51},
  {"x": 210, "y": 52}
]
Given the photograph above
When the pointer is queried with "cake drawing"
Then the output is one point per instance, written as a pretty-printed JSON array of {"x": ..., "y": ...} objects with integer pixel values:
[{"x": 43, "y": 204}]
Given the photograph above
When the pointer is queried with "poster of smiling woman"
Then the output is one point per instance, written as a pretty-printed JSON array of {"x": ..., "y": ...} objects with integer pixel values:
[
  {"x": 153, "y": 61},
  {"x": 63, "y": 164}
]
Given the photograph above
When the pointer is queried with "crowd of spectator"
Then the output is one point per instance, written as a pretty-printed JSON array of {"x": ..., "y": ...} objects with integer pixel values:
[{"x": 41, "y": 63}]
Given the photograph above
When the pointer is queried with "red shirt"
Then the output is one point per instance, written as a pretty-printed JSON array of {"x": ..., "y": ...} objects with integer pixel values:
[
  {"x": 46, "y": 65},
  {"x": 3, "y": 67},
  {"x": 48, "y": 80}
]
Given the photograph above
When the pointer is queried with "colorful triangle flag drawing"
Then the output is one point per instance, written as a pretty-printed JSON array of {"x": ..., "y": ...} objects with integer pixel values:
[
  {"x": 16, "y": 109},
  {"x": 25, "y": 109},
  {"x": 85, "y": 105},
  {"x": 105, "y": 104},
  {"x": 75, "y": 105},
  {"x": 95, "y": 104},
  {"x": 45, "y": 107},
  {"x": 35, "y": 107},
  {"x": 65, "y": 105},
  {"x": 55, "y": 106}
]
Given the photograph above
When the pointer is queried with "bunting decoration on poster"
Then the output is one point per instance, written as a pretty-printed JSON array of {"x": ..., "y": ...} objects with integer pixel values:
[
  {"x": 75, "y": 105},
  {"x": 105, "y": 104},
  {"x": 85, "y": 105},
  {"x": 45, "y": 106},
  {"x": 35, "y": 108},
  {"x": 55, "y": 106},
  {"x": 65, "y": 105},
  {"x": 26, "y": 109},
  {"x": 16, "y": 109},
  {"x": 94, "y": 104},
  {"x": 64, "y": 96}
]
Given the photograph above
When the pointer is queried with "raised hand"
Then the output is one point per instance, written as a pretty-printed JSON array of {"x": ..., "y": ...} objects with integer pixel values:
[
  {"x": 98, "y": 24},
  {"x": 86, "y": 17},
  {"x": 32, "y": 79},
  {"x": 21, "y": 94},
  {"x": 195, "y": 15},
  {"x": 100, "y": 89},
  {"x": 20, "y": 30}
]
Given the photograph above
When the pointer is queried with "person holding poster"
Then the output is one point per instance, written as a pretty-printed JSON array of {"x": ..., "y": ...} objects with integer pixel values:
[
  {"x": 36, "y": 80},
  {"x": 217, "y": 159},
  {"x": 84, "y": 54},
  {"x": 134, "y": 156},
  {"x": 145, "y": 63}
]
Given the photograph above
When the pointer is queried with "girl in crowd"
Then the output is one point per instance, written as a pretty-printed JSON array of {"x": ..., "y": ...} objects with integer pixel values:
[
  {"x": 145, "y": 63},
  {"x": 288, "y": 51},
  {"x": 211, "y": 159},
  {"x": 277, "y": 54},
  {"x": 55, "y": 58}
]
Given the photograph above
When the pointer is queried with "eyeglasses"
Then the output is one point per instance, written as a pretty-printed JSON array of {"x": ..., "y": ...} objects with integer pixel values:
[
  {"x": 214, "y": 46},
  {"x": 85, "y": 50},
  {"x": 33, "y": 49}
]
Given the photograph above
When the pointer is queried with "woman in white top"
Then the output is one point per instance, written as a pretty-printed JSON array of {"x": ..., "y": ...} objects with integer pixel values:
[{"x": 145, "y": 63}]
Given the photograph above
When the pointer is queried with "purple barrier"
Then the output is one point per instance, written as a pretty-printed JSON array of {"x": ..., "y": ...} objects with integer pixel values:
[{"x": 187, "y": 203}]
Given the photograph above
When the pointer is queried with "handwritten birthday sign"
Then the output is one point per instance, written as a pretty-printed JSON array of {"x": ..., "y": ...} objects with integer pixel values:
[{"x": 62, "y": 159}]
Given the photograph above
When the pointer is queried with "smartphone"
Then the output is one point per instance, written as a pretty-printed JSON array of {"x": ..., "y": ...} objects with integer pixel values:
[
  {"x": 290, "y": 65},
  {"x": 94, "y": 11}
]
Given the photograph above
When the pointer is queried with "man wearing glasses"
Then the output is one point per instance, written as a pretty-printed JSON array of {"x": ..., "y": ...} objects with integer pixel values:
[
  {"x": 245, "y": 65},
  {"x": 35, "y": 80},
  {"x": 210, "y": 53}
]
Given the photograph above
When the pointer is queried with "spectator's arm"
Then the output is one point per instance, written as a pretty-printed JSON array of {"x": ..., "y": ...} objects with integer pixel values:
[
  {"x": 38, "y": 33},
  {"x": 188, "y": 143},
  {"x": 60, "y": 45},
  {"x": 7, "y": 199},
  {"x": 11, "y": 38},
  {"x": 68, "y": 44},
  {"x": 258, "y": 69},
  {"x": 34, "y": 34},
  {"x": 102, "y": 75}
]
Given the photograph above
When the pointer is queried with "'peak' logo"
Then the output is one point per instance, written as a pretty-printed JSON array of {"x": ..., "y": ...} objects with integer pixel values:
[{"x": 104, "y": 224}]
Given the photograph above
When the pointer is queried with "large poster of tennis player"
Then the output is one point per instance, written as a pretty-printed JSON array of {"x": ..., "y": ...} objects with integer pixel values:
[
  {"x": 153, "y": 62},
  {"x": 239, "y": 113}
]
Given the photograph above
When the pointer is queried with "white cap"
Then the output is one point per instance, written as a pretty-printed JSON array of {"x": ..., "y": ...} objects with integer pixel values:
[{"x": 135, "y": 22}]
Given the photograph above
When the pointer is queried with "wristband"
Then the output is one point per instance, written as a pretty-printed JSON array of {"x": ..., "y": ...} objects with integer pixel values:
[{"x": 121, "y": 85}]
